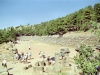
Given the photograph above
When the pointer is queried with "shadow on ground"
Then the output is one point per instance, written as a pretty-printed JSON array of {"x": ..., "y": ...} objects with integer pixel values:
[{"x": 10, "y": 68}]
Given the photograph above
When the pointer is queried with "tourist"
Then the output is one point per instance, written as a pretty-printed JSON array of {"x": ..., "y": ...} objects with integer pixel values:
[
  {"x": 22, "y": 59},
  {"x": 30, "y": 55},
  {"x": 22, "y": 55},
  {"x": 19, "y": 56},
  {"x": 49, "y": 60},
  {"x": 52, "y": 60},
  {"x": 98, "y": 69},
  {"x": 16, "y": 51},
  {"x": 43, "y": 56},
  {"x": 4, "y": 63},
  {"x": 26, "y": 57},
  {"x": 16, "y": 56},
  {"x": 29, "y": 48}
]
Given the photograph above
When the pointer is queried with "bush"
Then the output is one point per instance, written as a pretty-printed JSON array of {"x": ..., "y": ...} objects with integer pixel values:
[{"x": 86, "y": 60}]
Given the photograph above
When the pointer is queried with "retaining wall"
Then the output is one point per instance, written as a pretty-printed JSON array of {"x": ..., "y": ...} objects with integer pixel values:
[{"x": 65, "y": 40}]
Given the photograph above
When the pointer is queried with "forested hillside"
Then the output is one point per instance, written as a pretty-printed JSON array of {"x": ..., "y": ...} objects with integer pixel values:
[{"x": 81, "y": 20}]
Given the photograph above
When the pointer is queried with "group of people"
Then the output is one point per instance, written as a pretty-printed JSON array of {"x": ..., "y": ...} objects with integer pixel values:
[
  {"x": 41, "y": 54},
  {"x": 50, "y": 60},
  {"x": 23, "y": 57},
  {"x": 18, "y": 56}
]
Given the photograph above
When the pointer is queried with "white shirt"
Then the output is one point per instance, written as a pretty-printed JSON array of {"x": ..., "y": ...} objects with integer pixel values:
[
  {"x": 29, "y": 53},
  {"x": 42, "y": 53},
  {"x": 4, "y": 61},
  {"x": 26, "y": 55},
  {"x": 29, "y": 47}
]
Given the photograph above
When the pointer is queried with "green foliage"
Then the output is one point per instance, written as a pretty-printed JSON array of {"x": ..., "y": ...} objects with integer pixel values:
[
  {"x": 96, "y": 29},
  {"x": 97, "y": 11},
  {"x": 1, "y": 36},
  {"x": 79, "y": 20},
  {"x": 86, "y": 60}
]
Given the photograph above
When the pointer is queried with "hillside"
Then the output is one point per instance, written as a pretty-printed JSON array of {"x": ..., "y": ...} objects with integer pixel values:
[
  {"x": 68, "y": 39},
  {"x": 82, "y": 20}
]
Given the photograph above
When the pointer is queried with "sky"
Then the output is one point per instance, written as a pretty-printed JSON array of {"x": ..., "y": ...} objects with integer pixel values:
[{"x": 23, "y": 12}]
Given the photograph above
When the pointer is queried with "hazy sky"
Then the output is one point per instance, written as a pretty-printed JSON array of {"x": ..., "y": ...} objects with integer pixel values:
[{"x": 22, "y": 12}]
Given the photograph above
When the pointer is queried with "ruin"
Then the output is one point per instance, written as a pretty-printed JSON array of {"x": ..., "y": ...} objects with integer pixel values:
[{"x": 61, "y": 64}]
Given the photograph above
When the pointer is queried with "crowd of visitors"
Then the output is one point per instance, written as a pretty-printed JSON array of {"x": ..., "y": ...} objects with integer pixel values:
[{"x": 24, "y": 57}]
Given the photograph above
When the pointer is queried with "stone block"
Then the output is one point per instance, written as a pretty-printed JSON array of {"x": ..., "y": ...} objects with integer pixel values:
[
  {"x": 29, "y": 66},
  {"x": 57, "y": 69},
  {"x": 98, "y": 47},
  {"x": 38, "y": 69},
  {"x": 25, "y": 68}
]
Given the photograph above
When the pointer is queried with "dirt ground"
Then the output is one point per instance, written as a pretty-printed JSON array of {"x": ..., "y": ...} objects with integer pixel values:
[{"x": 36, "y": 47}]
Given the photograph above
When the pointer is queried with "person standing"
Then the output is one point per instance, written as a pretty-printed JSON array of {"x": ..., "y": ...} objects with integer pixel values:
[
  {"x": 30, "y": 55},
  {"x": 26, "y": 57},
  {"x": 29, "y": 47},
  {"x": 98, "y": 69},
  {"x": 43, "y": 55},
  {"x": 16, "y": 56},
  {"x": 22, "y": 55},
  {"x": 4, "y": 63}
]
